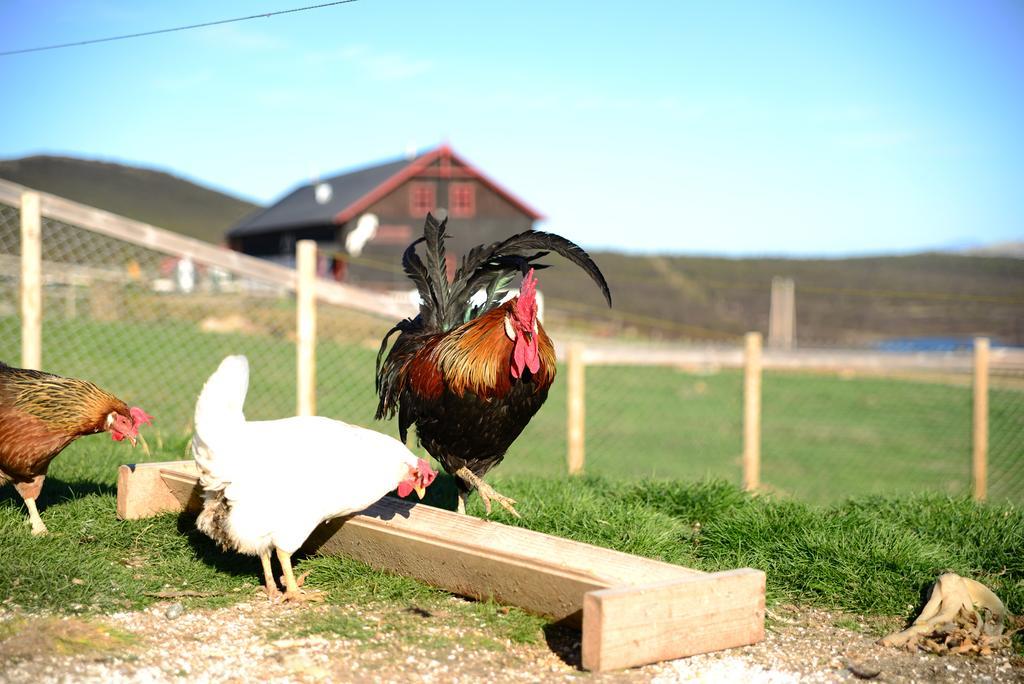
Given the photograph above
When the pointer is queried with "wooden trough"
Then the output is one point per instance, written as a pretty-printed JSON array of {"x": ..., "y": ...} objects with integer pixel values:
[{"x": 632, "y": 610}]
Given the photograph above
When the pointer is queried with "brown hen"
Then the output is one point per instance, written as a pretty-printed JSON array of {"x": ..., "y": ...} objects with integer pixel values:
[{"x": 40, "y": 414}]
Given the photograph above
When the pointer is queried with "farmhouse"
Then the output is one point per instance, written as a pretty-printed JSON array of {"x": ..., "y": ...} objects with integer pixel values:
[{"x": 362, "y": 220}]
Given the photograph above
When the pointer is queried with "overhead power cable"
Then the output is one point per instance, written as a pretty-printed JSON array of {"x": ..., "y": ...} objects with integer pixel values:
[{"x": 171, "y": 30}]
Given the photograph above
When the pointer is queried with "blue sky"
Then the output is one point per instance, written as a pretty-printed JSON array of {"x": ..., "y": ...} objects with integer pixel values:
[{"x": 794, "y": 128}]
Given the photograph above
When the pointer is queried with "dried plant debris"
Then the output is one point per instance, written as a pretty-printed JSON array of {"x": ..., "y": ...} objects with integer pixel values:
[{"x": 961, "y": 616}]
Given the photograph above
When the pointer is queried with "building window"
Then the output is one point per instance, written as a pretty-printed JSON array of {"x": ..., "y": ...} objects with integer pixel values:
[
  {"x": 462, "y": 200},
  {"x": 422, "y": 198}
]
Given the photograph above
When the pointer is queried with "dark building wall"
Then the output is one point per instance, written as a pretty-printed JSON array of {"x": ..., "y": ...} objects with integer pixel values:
[
  {"x": 379, "y": 265},
  {"x": 494, "y": 219},
  {"x": 282, "y": 242}
]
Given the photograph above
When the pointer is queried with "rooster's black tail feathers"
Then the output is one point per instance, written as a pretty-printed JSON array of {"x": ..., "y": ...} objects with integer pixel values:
[{"x": 490, "y": 268}]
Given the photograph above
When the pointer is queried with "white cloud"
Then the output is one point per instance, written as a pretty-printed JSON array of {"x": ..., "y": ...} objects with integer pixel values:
[{"x": 379, "y": 66}]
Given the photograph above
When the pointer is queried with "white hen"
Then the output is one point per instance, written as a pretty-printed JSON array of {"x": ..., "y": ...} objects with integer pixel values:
[{"x": 268, "y": 484}]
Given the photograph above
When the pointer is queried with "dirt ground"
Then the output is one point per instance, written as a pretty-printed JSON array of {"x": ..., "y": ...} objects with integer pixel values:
[{"x": 256, "y": 641}]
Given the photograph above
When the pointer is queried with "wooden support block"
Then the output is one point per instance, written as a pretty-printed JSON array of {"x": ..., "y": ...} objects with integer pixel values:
[
  {"x": 147, "y": 489},
  {"x": 629, "y": 626},
  {"x": 632, "y": 610}
]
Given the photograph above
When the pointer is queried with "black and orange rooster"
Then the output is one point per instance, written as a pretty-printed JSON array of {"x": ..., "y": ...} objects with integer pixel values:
[
  {"x": 470, "y": 371},
  {"x": 40, "y": 414}
]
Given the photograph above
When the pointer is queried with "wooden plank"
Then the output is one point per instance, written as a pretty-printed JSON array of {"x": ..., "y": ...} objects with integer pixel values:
[
  {"x": 629, "y": 626},
  {"x": 31, "y": 282},
  {"x": 464, "y": 554},
  {"x": 752, "y": 413},
  {"x": 544, "y": 574},
  {"x": 398, "y": 527},
  {"x": 541, "y": 573},
  {"x": 305, "y": 324},
  {"x": 576, "y": 414},
  {"x": 730, "y": 356},
  {"x": 142, "y": 491},
  {"x": 979, "y": 458},
  {"x": 182, "y": 485},
  {"x": 10, "y": 193}
]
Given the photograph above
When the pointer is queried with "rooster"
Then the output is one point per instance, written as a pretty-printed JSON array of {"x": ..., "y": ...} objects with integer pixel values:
[
  {"x": 471, "y": 370},
  {"x": 40, "y": 414},
  {"x": 333, "y": 469}
]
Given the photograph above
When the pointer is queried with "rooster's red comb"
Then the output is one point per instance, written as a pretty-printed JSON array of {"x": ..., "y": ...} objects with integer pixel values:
[{"x": 526, "y": 307}]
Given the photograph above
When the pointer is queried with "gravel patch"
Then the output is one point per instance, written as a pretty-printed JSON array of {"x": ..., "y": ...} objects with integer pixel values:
[{"x": 256, "y": 641}]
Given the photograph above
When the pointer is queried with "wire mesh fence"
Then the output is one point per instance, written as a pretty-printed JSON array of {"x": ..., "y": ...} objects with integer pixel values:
[
  {"x": 150, "y": 325},
  {"x": 1006, "y": 435},
  {"x": 828, "y": 436},
  {"x": 826, "y": 433}
]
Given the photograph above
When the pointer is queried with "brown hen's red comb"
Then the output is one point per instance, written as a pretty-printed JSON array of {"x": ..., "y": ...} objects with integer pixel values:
[{"x": 139, "y": 418}]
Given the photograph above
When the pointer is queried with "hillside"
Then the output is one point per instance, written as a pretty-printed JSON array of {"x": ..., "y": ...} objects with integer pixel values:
[
  {"x": 142, "y": 194},
  {"x": 848, "y": 301},
  {"x": 839, "y": 301}
]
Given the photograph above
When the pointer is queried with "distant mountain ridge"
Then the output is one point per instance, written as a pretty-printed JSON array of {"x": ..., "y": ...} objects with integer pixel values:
[
  {"x": 145, "y": 195},
  {"x": 1013, "y": 248},
  {"x": 861, "y": 300}
]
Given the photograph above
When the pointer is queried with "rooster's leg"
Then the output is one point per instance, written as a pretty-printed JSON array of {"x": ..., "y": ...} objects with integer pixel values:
[
  {"x": 292, "y": 591},
  {"x": 30, "y": 492},
  {"x": 461, "y": 506},
  {"x": 273, "y": 593},
  {"x": 487, "y": 492}
]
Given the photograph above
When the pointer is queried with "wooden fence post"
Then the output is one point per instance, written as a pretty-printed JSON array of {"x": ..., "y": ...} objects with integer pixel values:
[
  {"x": 31, "y": 282},
  {"x": 752, "y": 412},
  {"x": 305, "y": 298},
  {"x": 980, "y": 431},
  {"x": 782, "y": 314},
  {"x": 576, "y": 408}
]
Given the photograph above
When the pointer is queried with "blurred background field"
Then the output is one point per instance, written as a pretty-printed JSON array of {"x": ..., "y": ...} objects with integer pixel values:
[{"x": 827, "y": 435}]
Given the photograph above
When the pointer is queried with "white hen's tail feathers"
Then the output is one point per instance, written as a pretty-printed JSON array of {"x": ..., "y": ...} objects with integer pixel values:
[
  {"x": 223, "y": 394},
  {"x": 218, "y": 413}
]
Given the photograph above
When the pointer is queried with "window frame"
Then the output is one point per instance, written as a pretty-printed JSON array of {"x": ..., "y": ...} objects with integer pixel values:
[
  {"x": 462, "y": 209},
  {"x": 419, "y": 204}
]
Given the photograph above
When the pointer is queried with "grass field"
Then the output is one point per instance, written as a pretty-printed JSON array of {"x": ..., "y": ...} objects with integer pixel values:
[
  {"x": 657, "y": 438},
  {"x": 869, "y": 555},
  {"x": 824, "y": 438}
]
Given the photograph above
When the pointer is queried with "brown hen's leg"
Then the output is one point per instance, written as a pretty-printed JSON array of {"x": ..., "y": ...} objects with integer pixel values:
[
  {"x": 273, "y": 593},
  {"x": 291, "y": 587},
  {"x": 487, "y": 492},
  {"x": 30, "y": 492},
  {"x": 38, "y": 527},
  {"x": 461, "y": 506}
]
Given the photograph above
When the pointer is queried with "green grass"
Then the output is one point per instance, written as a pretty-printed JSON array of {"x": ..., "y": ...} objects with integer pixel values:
[
  {"x": 869, "y": 555},
  {"x": 660, "y": 443}
]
